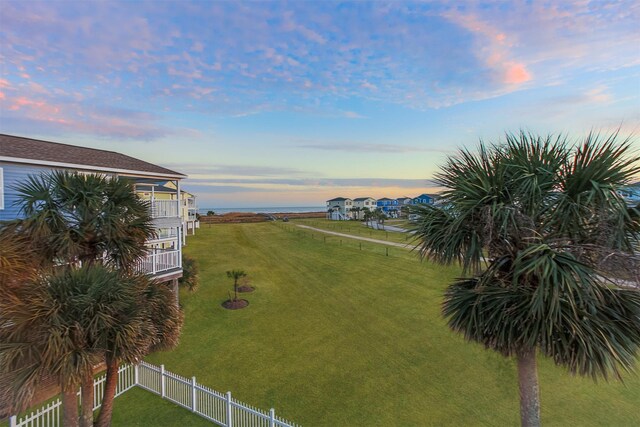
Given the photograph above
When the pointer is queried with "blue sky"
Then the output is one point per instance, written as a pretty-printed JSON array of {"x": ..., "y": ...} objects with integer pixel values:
[{"x": 292, "y": 103}]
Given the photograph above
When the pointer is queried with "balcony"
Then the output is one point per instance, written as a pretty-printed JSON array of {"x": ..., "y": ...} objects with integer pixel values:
[
  {"x": 160, "y": 261},
  {"x": 166, "y": 234},
  {"x": 164, "y": 209}
]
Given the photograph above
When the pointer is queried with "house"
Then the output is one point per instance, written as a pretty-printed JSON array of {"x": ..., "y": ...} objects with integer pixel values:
[
  {"x": 191, "y": 214},
  {"x": 339, "y": 208},
  {"x": 362, "y": 203},
  {"x": 403, "y": 202},
  {"x": 21, "y": 157},
  {"x": 425, "y": 199},
  {"x": 188, "y": 205},
  {"x": 631, "y": 194},
  {"x": 385, "y": 204}
]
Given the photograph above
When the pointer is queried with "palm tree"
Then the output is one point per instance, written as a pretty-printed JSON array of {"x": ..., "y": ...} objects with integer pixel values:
[
  {"x": 236, "y": 275},
  {"x": 140, "y": 320},
  {"x": 64, "y": 324},
  {"x": 81, "y": 219},
  {"x": 379, "y": 216},
  {"x": 533, "y": 222},
  {"x": 85, "y": 218},
  {"x": 189, "y": 277},
  {"x": 356, "y": 210},
  {"x": 367, "y": 216},
  {"x": 44, "y": 333}
]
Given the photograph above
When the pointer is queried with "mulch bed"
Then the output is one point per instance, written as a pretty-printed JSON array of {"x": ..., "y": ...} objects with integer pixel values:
[
  {"x": 246, "y": 288},
  {"x": 235, "y": 305}
]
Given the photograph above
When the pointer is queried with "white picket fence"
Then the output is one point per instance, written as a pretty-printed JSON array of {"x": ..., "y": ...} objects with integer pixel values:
[
  {"x": 49, "y": 415},
  {"x": 217, "y": 407}
]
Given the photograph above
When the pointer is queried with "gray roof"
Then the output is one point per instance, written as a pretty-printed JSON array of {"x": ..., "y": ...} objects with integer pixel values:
[
  {"x": 45, "y": 151},
  {"x": 338, "y": 199},
  {"x": 361, "y": 199}
]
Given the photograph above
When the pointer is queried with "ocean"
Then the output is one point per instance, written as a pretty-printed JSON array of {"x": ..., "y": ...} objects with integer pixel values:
[{"x": 277, "y": 209}]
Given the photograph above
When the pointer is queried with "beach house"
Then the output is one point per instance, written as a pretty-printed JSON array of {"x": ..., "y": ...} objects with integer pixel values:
[
  {"x": 425, "y": 199},
  {"x": 21, "y": 157},
  {"x": 339, "y": 208},
  {"x": 360, "y": 204}
]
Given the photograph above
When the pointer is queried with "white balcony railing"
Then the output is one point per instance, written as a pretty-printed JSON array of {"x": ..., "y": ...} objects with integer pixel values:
[
  {"x": 164, "y": 209},
  {"x": 159, "y": 261},
  {"x": 165, "y": 234}
]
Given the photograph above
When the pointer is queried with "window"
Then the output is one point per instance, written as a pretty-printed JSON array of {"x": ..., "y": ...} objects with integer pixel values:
[{"x": 1, "y": 190}]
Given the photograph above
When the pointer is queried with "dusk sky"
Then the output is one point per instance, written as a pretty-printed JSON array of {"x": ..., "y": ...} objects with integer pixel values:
[{"x": 293, "y": 103}]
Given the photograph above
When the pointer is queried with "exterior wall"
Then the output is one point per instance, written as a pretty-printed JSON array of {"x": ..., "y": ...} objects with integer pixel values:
[
  {"x": 365, "y": 204},
  {"x": 16, "y": 173},
  {"x": 424, "y": 199},
  {"x": 343, "y": 205},
  {"x": 384, "y": 204}
]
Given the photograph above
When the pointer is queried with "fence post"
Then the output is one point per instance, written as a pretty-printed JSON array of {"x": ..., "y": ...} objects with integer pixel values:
[
  {"x": 13, "y": 421},
  {"x": 136, "y": 374},
  {"x": 153, "y": 262},
  {"x": 229, "y": 417},
  {"x": 194, "y": 401},
  {"x": 162, "y": 382},
  {"x": 272, "y": 417}
]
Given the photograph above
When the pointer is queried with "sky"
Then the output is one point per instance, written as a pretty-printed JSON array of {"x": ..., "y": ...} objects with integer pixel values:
[{"x": 293, "y": 103}]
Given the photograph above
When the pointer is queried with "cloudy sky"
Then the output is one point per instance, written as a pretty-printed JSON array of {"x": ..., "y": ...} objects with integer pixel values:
[{"x": 292, "y": 103}]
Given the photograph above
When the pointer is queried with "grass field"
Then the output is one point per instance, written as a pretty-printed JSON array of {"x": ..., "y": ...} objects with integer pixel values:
[{"x": 338, "y": 336}]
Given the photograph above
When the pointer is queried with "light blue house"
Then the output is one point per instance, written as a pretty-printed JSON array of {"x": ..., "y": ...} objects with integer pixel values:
[
  {"x": 425, "y": 199},
  {"x": 631, "y": 194},
  {"x": 21, "y": 157},
  {"x": 385, "y": 204}
]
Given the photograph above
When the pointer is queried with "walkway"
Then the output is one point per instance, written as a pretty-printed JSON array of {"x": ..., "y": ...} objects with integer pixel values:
[
  {"x": 366, "y": 239},
  {"x": 374, "y": 225}
]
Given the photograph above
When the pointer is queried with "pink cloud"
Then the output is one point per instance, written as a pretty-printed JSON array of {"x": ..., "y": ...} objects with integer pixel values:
[
  {"x": 494, "y": 49},
  {"x": 70, "y": 116},
  {"x": 516, "y": 74}
]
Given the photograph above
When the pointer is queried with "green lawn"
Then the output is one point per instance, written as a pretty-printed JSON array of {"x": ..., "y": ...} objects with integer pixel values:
[{"x": 338, "y": 336}]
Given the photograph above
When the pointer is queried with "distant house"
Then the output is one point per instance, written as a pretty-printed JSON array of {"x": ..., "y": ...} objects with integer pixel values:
[
  {"x": 425, "y": 199},
  {"x": 339, "y": 208},
  {"x": 631, "y": 194},
  {"x": 384, "y": 204},
  {"x": 362, "y": 203}
]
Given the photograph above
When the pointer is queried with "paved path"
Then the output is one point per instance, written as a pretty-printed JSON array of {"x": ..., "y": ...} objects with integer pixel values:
[
  {"x": 408, "y": 246},
  {"x": 351, "y": 236},
  {"x": 375, "y": 226}
]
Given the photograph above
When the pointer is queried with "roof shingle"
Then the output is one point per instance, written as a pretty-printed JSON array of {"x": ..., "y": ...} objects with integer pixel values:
[{"x": 35, "y": 149}]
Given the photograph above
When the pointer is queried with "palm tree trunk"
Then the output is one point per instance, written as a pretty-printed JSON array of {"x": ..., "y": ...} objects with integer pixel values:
[
  {"x": 111, "y": 382},
  {"x": 70, "y": 408},
  {"x": 86, "y": 388},
  {"x": 529, "y": 390}
]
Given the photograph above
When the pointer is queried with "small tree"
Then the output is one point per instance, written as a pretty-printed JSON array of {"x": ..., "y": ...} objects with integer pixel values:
[
  {"x": 356, "y": 212},
  {"x": 210, "y": 213},
  {"x": 236, "y": 275},
  {"x": 367, "y": 216},
  {"x": 379, "y": 216},
  {"x": 189, "y": 277}
]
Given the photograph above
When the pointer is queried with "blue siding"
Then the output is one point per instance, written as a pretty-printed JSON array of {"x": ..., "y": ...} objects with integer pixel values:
[{"x": 13, "y": 175}]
